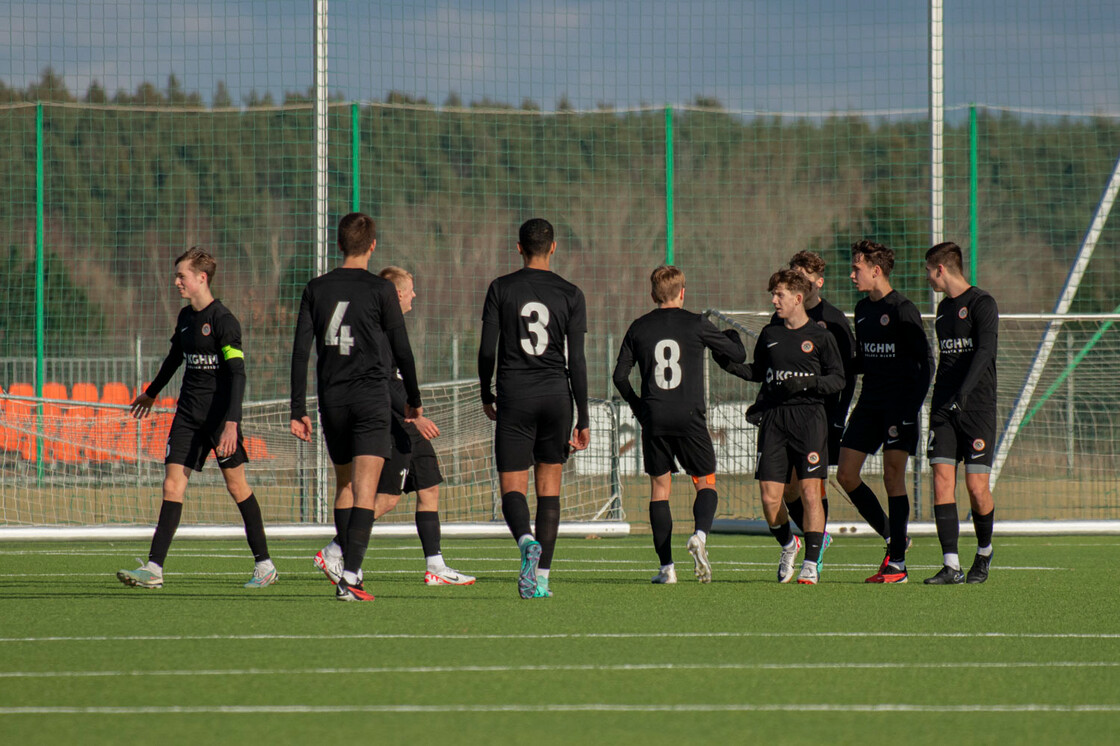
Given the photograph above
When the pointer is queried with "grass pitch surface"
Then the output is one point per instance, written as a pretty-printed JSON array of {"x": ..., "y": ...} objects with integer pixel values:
[{"x": 1033, "y": 656}]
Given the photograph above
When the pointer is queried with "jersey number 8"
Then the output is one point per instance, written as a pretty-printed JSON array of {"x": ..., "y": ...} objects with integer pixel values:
[
  {"x": 338, "y": 334},
  {"x": 537, "y": 315},
  {"x": 667, "y": 371}
]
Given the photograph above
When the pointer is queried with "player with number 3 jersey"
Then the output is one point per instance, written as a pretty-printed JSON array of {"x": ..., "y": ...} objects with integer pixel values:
[
  {"x": 536, "y": 321},
  {"x": 667, "y": 344}
]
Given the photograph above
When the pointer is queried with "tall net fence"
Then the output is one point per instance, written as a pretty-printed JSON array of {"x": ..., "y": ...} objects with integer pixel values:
[{"x": 722, "y": 137}]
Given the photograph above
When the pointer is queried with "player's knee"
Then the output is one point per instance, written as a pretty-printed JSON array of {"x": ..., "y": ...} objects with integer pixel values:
[{"x": 848, "y": 478}]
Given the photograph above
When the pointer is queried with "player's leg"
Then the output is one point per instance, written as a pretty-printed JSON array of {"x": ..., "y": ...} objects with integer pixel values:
[
  {"x": 807, "y": 450},
  {"x": 371, "y": 443},
  {"x": 428, "y": 529},
  {"x": 329, "y": 558},
  {"x": 978, "y": 434},
  {"x": 661, "y": 525},
  {"x": 514, "y": 436},
  {"x": 698, "y": 457},
  {"x": 150, "y": 574},
  {"x": 772, "y": 470},
  {"x": 866, "y": 432},
  {"x": 548, "y": 477},
  {"x": 264, "y": 571},
  {"x": 792, "y": 497},
  {"x": 942, "y": 451},
  {"x": 893, "y": 567}
]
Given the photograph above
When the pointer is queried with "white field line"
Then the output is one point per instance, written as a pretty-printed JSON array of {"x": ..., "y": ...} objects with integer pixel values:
[
  {"x": 799, "y": 707},
  {"x": 620, "y": 667},
  {"x": 576, "y": 636}
]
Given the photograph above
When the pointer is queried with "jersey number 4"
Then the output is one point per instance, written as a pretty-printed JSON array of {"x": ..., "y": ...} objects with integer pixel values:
[
  {"x": 537, "y": 315},
  {"x": 338, "y": 334},
  {"x": 667, "y": 369}
]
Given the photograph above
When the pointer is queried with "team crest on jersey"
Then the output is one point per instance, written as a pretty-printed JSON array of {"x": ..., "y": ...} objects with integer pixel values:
[
  {"x": 892, "y": 431},
  {"x": 978, "y": 445},
  {"x": 963, "y": 313},
  {"x": 822, "y": 325},
  {"x": 806, "y": 346},
  {"x": 884, "y": 319},
  {"x": 206, "y": 330},
  {"x": 813, "y": 458}
]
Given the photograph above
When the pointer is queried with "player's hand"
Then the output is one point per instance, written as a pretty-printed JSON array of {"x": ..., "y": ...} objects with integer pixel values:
[
  {"x": 141, "y": 406},
  {"x": 641, "y": 412},
  {"x": 490, "y": 411},
  {"x": 426, "y": 427},
  {"x": 411, "y": 413},
  {"x": 795, "y": 385},
  {"x": 227, "y": 444},
  {"x": 301, "y": 428},
  {"x": 580, "y": 439},
  {"x": 720, "y": 359},
  {"x": 733, "y": 335}
]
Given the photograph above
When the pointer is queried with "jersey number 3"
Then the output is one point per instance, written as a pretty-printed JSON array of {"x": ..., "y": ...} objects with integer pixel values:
[
  {"x": 537, "y": 315},
  {"x": 338, "y": 334},
  {"x": 667, "y": 369}
]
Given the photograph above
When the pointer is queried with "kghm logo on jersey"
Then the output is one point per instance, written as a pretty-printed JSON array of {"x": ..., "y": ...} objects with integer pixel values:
[
  {"x": 206, "y": 330},
  {"x": 813, "y": 458},
  {"x": 885, "y": 319},
  {"x": 979, "y": 445},
  {"x": 806, "y": 346},
  {"x": 963, "y": 313}
]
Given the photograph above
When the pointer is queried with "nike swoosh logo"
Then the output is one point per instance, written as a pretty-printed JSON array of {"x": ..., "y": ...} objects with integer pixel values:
[
  {"x": 975, "y": 455},
  {"x": 184, "y": 329},
  {"x": 813, "y": 468},
  {"x": 938, "y": 318},
  {"x": 771, "y": 345},
  {"x": 904, "y": 422},
  {"x": 860, "y": 321}
]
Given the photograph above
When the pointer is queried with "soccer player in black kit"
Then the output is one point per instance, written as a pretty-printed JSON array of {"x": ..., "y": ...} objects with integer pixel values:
[
  {"x": 411, "y": 467},
  {"x": 530, "y": 316},
  {"x": 351, "y": 315},
  {"x": 207, "y": 338},
  {"x": 962, "y": 423},
  {"x": 667, "y": 344},
  {"x": 826, "y": 316},
  {"x": 894, "y": 357},
  {"x": 799, "y": 366}
]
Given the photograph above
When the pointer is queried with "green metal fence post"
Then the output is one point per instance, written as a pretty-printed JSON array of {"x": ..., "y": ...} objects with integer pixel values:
[
  {"x": 973, "y": 193},
  {"x": 355, "y": 160},
  {"x": 40, "y": 290},
  {"x": 668, "y": 184}
]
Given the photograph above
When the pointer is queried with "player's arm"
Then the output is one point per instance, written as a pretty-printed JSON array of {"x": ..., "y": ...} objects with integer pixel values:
[
  {"x": 228, "y": 336},
  {"x": 724, "y": 345},
  {"x": 753, "y": 371},
  {"x": 392, "y": 323},
  {"x": 831, "y": 379},
  {"x": 846, "y": 345},
  {"x": 142, "y": 404},
  {"x": 917, "y": 348},
  {"x": 301, "y": 353},
  {"x": 621, "y": 375},
  {"x": 487, "y": 355},
  {"x": 577, "y": 372},
  {"x": 985, "y": 321}
]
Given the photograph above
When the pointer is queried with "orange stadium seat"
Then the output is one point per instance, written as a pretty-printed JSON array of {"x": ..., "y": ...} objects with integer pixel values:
[
  {"x": 116, "y": 431},
  {"x": 21, "y": 418},
  {"x": 52, "y": 419},
  {"x": 84, "y": 392},
  {"x": 256, "y": 449}
]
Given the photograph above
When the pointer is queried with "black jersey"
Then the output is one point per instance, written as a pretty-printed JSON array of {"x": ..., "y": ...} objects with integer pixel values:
[
  {"x": 667, "y": 344},
  {"x": 967, "y": 338},
  {"x": 209, "y": 343},
  {"x": 355, "y": 319},
  {"x": 829, "y": 317},
  {"x": 785, "y": 357},
  {"x": 893, "y": 353},
  {"x": 538, "y": 321}
]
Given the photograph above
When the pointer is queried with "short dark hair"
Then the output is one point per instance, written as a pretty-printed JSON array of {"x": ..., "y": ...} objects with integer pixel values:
[
  {"x": 536, "y": 237},
  {"x": 875, "y": 254},
  {"x": 356, "y": 233},
  {"x": 666, "y": 283},
  {"x": 947, "y": 254},
  {"x": 792, "y": 279},
  {"x": 810, "y": 261},
  {"x": 200, "y": 260}
]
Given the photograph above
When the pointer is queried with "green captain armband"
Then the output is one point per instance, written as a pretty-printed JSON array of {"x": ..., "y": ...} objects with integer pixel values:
[{"x": 229, "y": 352}]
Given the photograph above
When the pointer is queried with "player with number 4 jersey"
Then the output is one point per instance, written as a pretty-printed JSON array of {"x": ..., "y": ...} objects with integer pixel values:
[
  {"x": 536, "y": 321},
  {"x": 667, "y": 344}
]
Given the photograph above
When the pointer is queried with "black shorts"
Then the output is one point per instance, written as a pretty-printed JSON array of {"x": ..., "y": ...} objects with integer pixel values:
[
  {"x": 532, "y": 431},
  {"x": 189, "y": 444},
  {"x": 359, "y": 428},
  {"x": 413, "y": 470},
  {"x": 694, "y": 453},
  {"x": 792, "y": 438},
  {"x": 835, "y": 437},
  {"x": 869, "y": 429},
  {"x": 969, "y": 437}
]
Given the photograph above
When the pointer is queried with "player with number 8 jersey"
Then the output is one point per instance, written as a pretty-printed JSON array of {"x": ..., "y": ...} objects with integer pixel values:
[{"x": 536, "y": 320}]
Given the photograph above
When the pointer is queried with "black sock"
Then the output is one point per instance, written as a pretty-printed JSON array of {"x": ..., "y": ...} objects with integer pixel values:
[
  {"x": 254, "y": 527},
  {"x": 661, "y": 522},
  {"x": 796, "y": 510},
  {"x": 341, "y": 525},
  {"x": 814, "y": 540},
  {"x": 783, "y": 533},
  {"x": 515, "y": 509},
  {"x": 548, "y": 526},
  {"x": 899, "y": 507},
  {"x": 863, "y": 497},
  {"x": 983, "y": 525},
  {"x": 948, "y": 527},
  {"x": 427, "y": 526},
  {"x": 169, "y": 515},
  {"x": 824, "y": 507},
  {"x": 357, "y": 539},
  {"x": 704, "y": 509}
]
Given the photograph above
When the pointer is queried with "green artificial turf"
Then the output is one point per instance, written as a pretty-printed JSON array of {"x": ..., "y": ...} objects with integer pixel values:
[{"x": 1033, "y": 656}]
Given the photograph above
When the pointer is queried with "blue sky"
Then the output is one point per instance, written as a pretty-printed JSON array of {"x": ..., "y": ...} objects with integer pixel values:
[{"x": 767, "y": 55}]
